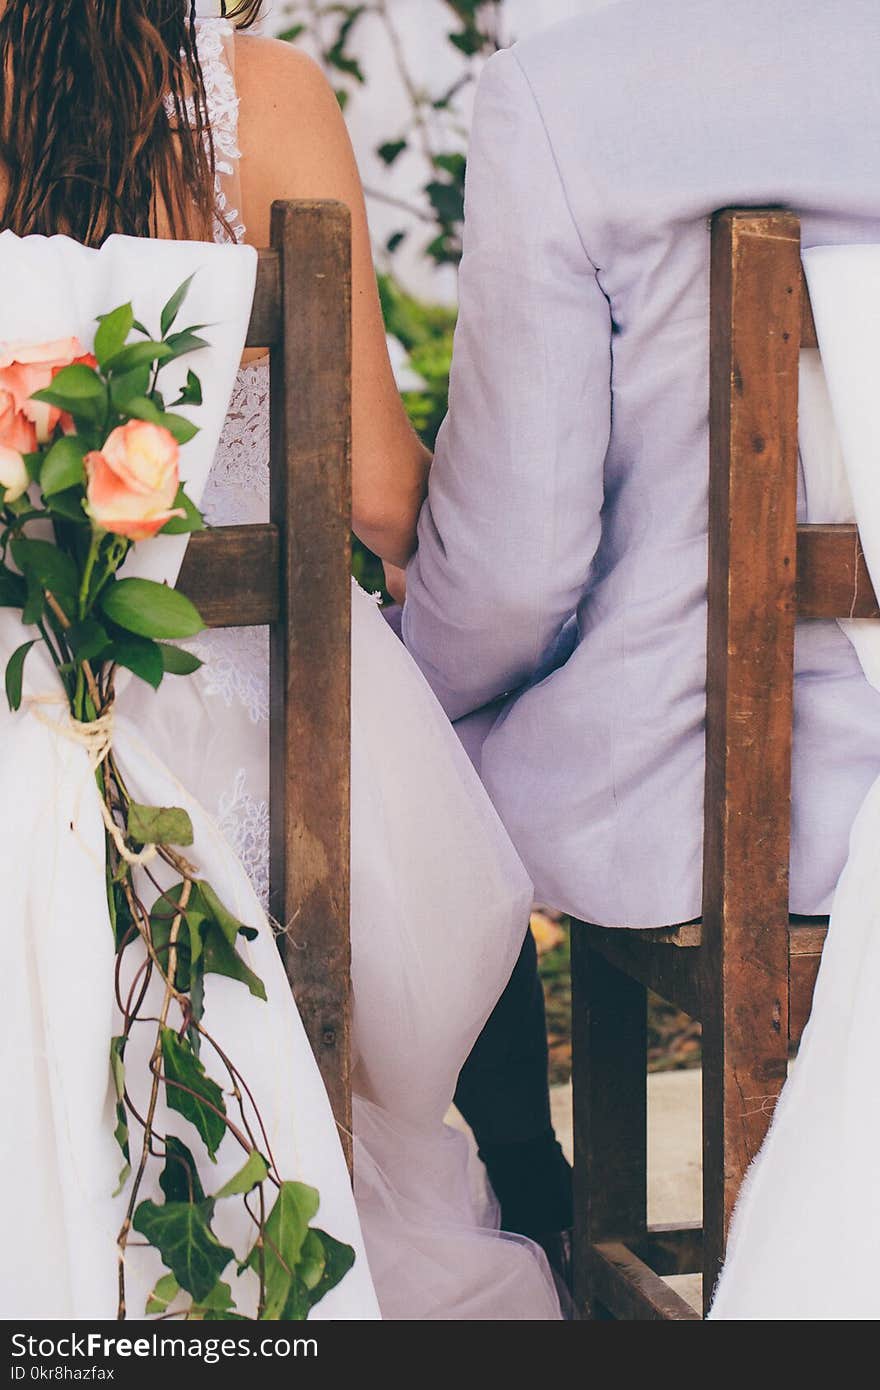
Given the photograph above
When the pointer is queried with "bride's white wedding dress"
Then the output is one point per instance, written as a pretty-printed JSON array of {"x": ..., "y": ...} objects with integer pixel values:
[{"x": 439, "y": 905}]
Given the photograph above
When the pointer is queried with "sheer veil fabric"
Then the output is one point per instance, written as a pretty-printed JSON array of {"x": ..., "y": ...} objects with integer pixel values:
[
  {"x": 806, "y": 1231},
  {"x": 440, "y": 900}
]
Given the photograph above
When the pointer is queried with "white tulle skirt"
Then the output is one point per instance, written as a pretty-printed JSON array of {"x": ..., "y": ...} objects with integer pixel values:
[{"x": 440, "y": 904}]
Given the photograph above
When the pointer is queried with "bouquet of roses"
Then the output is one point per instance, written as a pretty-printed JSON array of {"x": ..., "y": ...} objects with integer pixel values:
[{"x": 89, "y": 467}]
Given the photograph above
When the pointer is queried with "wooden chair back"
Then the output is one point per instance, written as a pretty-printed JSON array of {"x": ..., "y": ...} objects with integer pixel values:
[
  {"x": 747, "y": 969},
  {"x": 293, "y": 575}
]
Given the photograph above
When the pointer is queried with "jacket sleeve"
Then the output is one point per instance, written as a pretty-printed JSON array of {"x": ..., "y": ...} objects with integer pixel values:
[{"x": 512, "y": 521}]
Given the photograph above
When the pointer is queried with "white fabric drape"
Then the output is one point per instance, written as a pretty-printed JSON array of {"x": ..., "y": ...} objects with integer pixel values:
[{"x": 58, "y": 1160}]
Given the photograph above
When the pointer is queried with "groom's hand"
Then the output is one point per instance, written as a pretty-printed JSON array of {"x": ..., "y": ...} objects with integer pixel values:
[{"x": 395, "y": 583}]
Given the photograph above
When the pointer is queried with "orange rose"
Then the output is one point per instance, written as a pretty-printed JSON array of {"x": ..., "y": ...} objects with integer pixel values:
[
  {"x": 17, "y": 437},
  {"x": 29, "y": 367},
  {"x": 133, "y": 481}
]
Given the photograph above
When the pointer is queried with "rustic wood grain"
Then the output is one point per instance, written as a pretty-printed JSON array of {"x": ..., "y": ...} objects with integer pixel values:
[
  {"x": 671, "y": 1249},
  {"x": 832, "y": 575},
  {"x": 264, "y": 329},
  {"x": 630, "y": 1290},
  {"x": 808, "y": 323},
  {"x": 755, "y": 342},
  {"x": 310, "y": 644},
  {"x": 232, "y": 575}
]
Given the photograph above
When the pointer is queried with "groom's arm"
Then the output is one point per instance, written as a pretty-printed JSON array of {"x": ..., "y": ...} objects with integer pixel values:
[{"x": 511, "y": 524}]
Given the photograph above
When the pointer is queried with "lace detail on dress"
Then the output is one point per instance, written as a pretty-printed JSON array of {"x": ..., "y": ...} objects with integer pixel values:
[
  {"x": 222, "y": 114},
  {"x": 236, "y": 668},
  {"x": 245, "y": 822},
  {"x": 238, "y": 485}
]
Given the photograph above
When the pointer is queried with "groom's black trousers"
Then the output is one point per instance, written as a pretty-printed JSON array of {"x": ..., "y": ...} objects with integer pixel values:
[{"x": 503, "y": 1090}]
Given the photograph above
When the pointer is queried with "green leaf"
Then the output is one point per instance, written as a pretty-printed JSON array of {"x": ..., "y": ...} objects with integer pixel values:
[
  {"x": 255, "y": 1171},
  {"x": 112, "y": 332},
  {"x": 87, "y": 640},
  {"x": 179, "y": 1179},
  {"x": 159, "y": 825},
  {"x": 285, "y": 1233},
  {"x": 62, "y": 466},
  {"x": 200, "y": 1101},
  {"x": 338, "y": 1260},
  {"x": 137, "y": 355},
  {"x": 191, "y": 394},
  {"x": 172, "y": 308},
  {"x": 126, "y": 387},
  {"x": 13, "y": 589},
  {"x": 293, "y": 33},
  {"x": 71, "y": 387},
  {"x": 183, "y": 525},
  {"x": 150, "y": 610},
  {"x": 222, "y": 959},
  {"x": 117, "y": 1065},
  {"x": 34, "y": 603},
  {"x": 181, "y": 429},
  {"x": 179, "y": 344},
  {"x": 230, "y": 926},
  {"x": 163, "y": 1295},
  {"x": 178, "y": 662},
  {"x": 69, "y": 505},
  {"x": 50, "y": 567},
  {"x": 182, "y": 1234},
  {"x": 218, "y": 1306},
  {"x": 391, "y": 151},
  {"x": 139, "y": 655},
  {"x": 15, "y": 674},
  {"x": 120, "y": 1134}
]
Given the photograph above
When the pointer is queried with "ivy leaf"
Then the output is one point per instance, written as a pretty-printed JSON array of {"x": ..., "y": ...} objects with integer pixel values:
[
  {"x": 338, "y": 1260},
  {"x": 178, "y": 662},
  {"x": 163, "y": 1295},
  {"x": 285, "y": 1233},
  {"x": 391, "y": 151},
  {"x": 218, "y": 1306},
  {"x": 15, "y": 674},
  {"x": 229, "y": 925},
  {"x": 159, "y": 825},
  {"x": 182, "y": 1234},
  {"x": 179, "y": 1179},
  {"x": 149, "y": 609},
  {"x": 113, "y": 329},
  {"x": 117, "y": 1065},
  {"x": 183, "y": 525},
  {"x": 193, "y": 1094},
  {"x": 120, "y": 1134},
  {"x": 173, "y": 307},
  {"x": 191, "y": 394},
  {"x": 394, "y": 241},
  {"x": 13, "y": 589},
  {"x": 222, "y": 959},
  {"x": 255, "y": 1171},
  {"x": 63, "y": 466}
]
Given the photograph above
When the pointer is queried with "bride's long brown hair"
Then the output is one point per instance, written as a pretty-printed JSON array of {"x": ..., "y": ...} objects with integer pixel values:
[{"x": 103, "y": 124}]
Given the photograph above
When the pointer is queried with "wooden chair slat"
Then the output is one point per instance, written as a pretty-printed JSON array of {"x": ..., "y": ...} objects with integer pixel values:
[
  {"x": 294, "y": 575},
  {"x": 832, "y": 575},
  {"x": 264, "y": 329},
  {"x": 232, "y": 575},
  {"x": 630, "y": 1289}
]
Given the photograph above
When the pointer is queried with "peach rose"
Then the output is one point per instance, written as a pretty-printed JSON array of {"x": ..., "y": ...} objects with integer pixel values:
[
  {"x": 29, "y": 367},
  {"x": 133, "y": 481},
  {"x": 13, "y": 474}
]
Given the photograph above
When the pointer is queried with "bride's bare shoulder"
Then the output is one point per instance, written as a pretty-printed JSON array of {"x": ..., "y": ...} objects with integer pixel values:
[
  {"x": 292, "y": 136},
  {"x": 274, "y": 80}
]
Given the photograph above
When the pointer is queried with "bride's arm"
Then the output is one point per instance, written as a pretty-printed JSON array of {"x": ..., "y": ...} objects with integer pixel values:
[{"x": 295, "y": 145}]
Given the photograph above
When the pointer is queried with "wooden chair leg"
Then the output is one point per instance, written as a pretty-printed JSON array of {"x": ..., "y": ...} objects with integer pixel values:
[{"x": 609, "y": 1081}]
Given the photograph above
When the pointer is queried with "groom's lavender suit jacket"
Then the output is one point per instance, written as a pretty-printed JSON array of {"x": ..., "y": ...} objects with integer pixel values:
[{"x": 571, "y": 474}]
